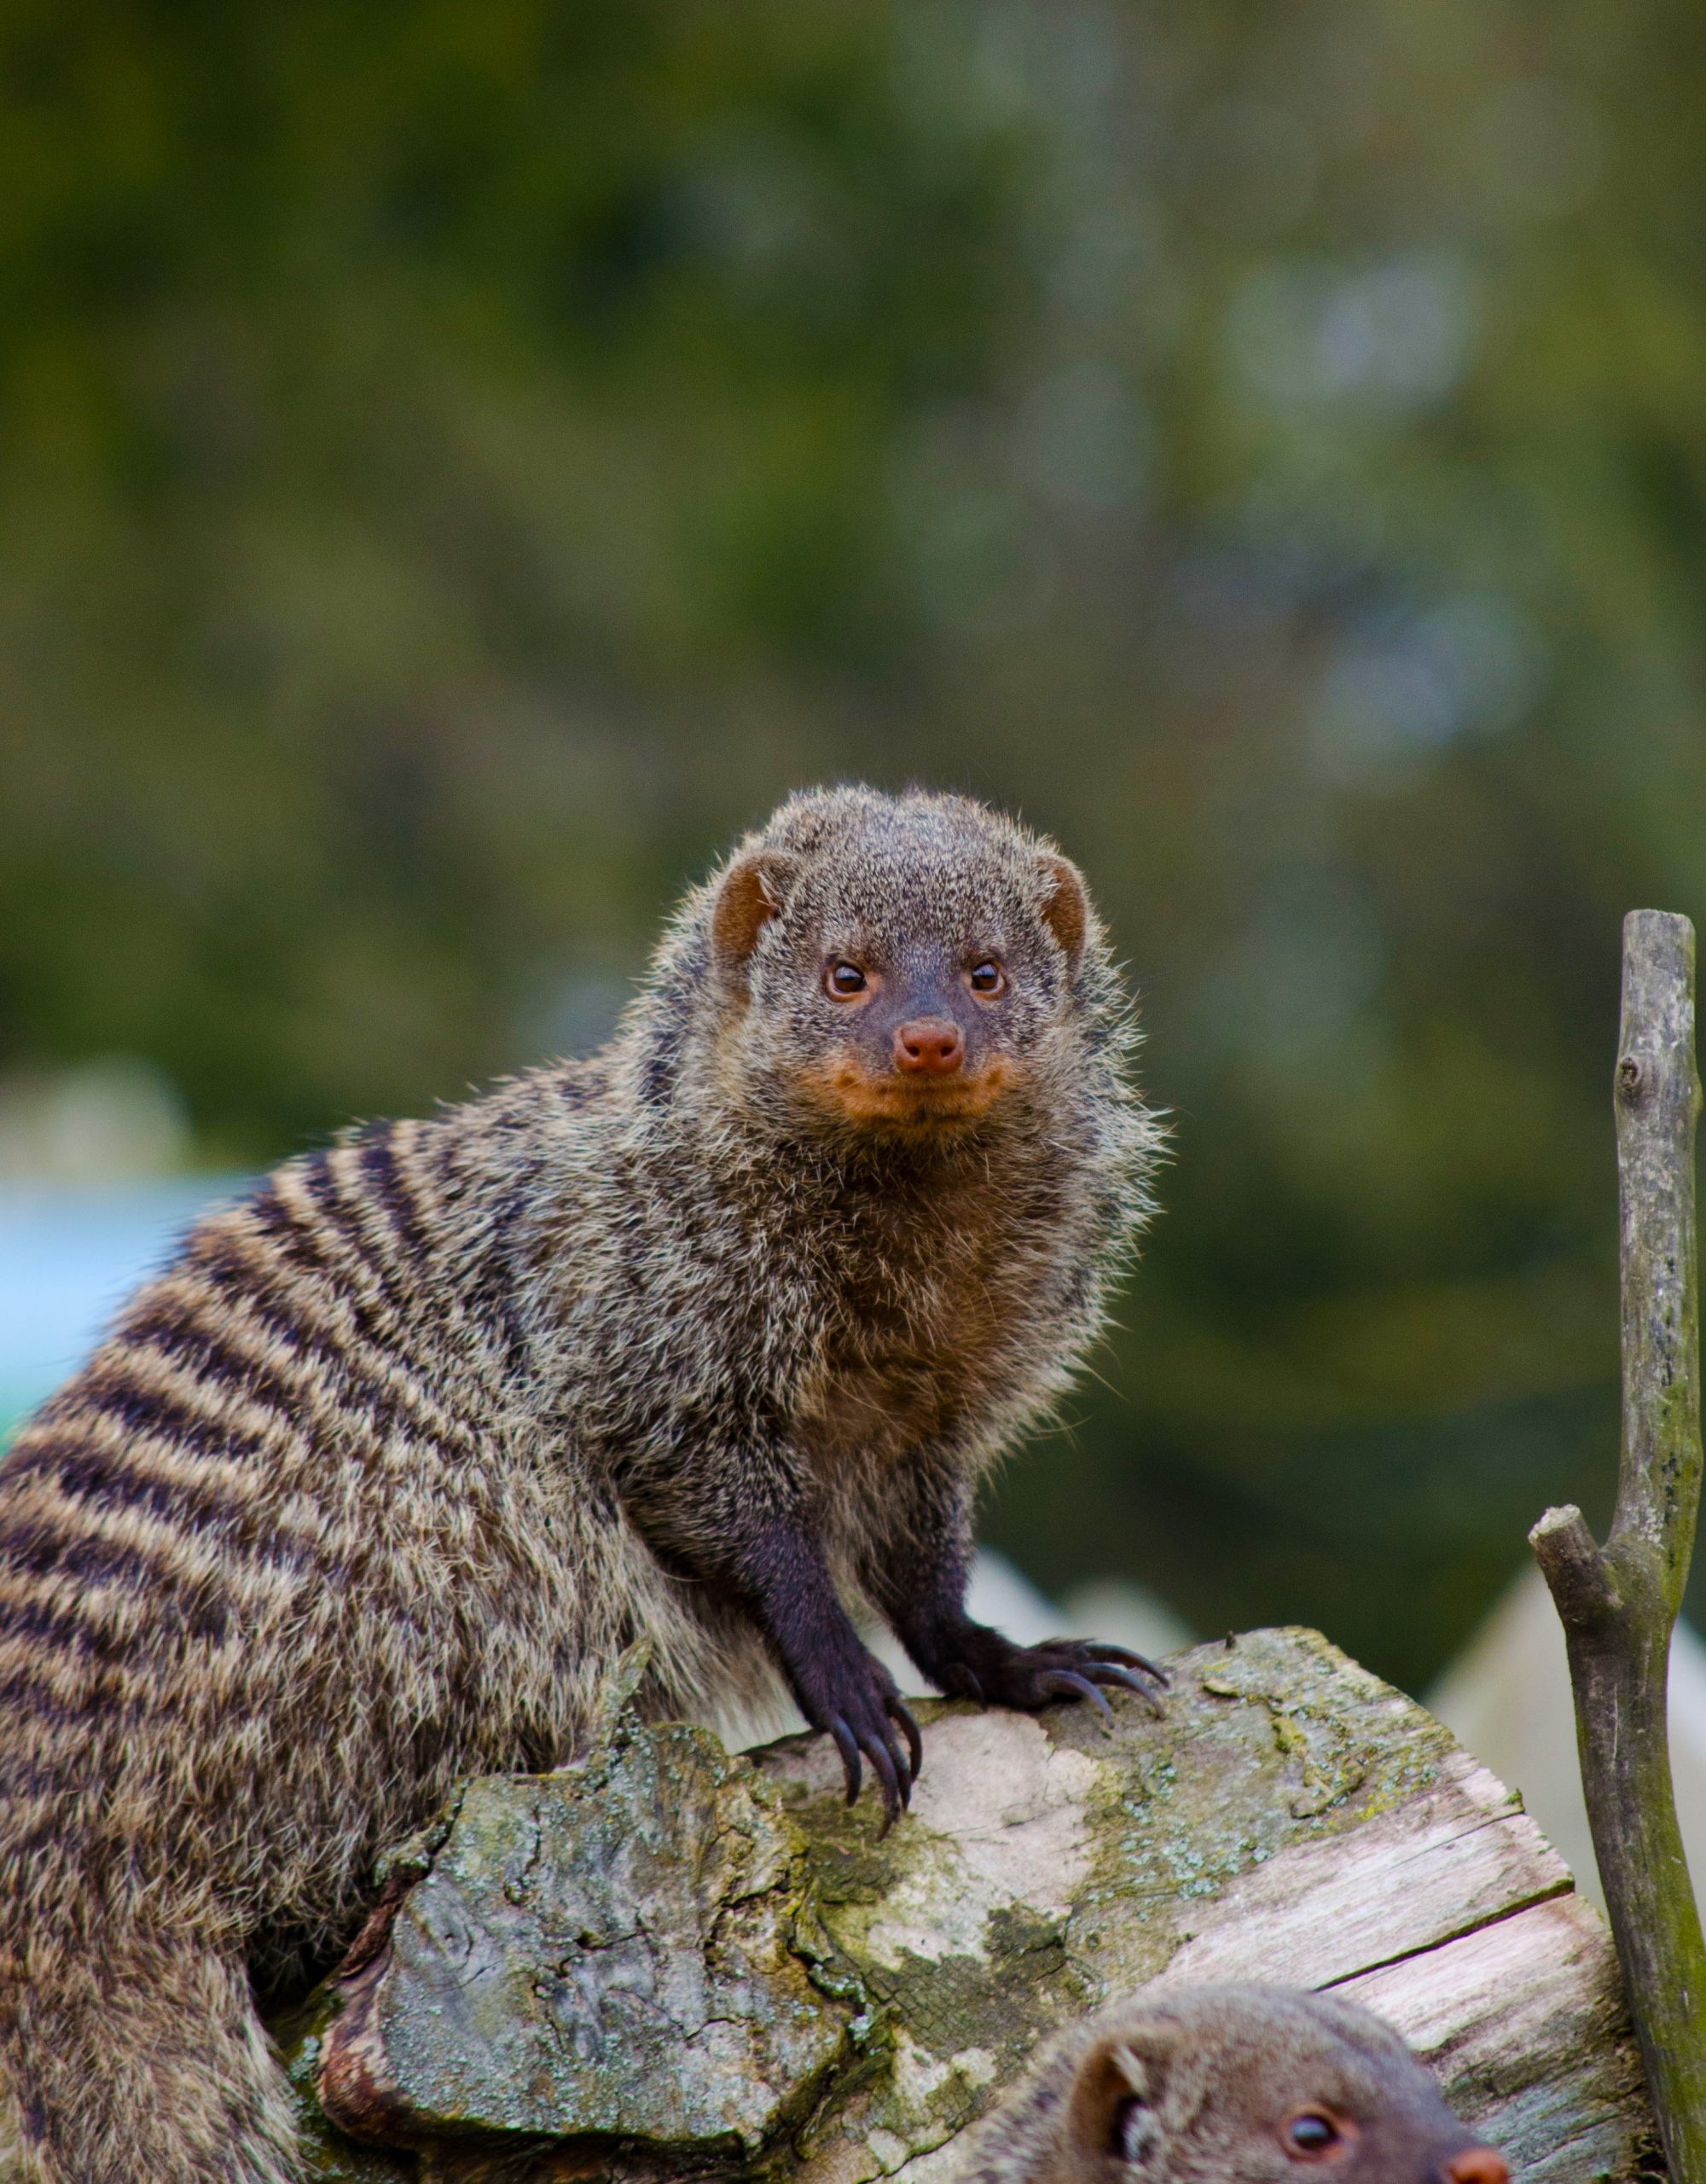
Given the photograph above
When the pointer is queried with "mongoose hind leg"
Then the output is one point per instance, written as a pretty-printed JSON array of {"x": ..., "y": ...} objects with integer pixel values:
[{"x": 191, "y": 2093}]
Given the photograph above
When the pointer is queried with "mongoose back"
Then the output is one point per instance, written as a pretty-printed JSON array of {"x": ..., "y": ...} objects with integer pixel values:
[
  {"x": 1230, "y": 2085},
  {"x": 700, "y": 1340}
]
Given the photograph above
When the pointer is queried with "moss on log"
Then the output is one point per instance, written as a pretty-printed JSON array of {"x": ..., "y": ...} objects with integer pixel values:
[{"x": 663, "y": 1962}]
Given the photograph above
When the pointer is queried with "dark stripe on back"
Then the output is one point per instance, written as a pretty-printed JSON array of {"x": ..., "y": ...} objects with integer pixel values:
[
  {"x": 493, "y": 1294},
  {"x": 284, "y": 1229},
  {"x": 207, "y": 1354},
  {"x": 390, "y": 1189},
  {"x": 344, "y": 1377},
  {"x": 25, "y": 1692},
  {"x": 407, "y": 1403},
  {"x": 334, "y": 1372},
  {"x": 104, "y": 1481},
  {"x": 221, "y": 1259},
  {"x": 176, "y": 1609},
  {"x": 344, "y": 1219},
  {"x": 105, "y": 1390},
  {"x": 175, "y": 1602}
]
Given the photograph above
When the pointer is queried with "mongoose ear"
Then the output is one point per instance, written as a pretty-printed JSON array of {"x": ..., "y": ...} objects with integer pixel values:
[
  {"x": 1066, "y": 907},
  {"x": 1111, "y": 2114},
  {"x": 750, "y": 896}
]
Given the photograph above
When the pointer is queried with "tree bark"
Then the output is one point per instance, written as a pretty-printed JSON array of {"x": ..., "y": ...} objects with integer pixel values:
[
  {"x": 664, "y": 1963},
  {"x": 1618, "y": 1603}
]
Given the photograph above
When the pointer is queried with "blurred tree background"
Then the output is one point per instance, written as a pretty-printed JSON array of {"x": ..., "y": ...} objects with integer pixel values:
[{"x": 464, "y": 459}]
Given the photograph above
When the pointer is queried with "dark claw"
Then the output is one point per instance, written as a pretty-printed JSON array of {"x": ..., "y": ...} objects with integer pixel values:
[
  {"x": 845, "y": 1746},
  {"x": 1127, "y": 1660},
  {"x": 1106, "y": 1672},
  {"x": 1097, "y": 1649},
  {"x": 902, "y": 1713},
  {"x": 1067, "y": 1683},
  {"x": 883, "y": 1766}
]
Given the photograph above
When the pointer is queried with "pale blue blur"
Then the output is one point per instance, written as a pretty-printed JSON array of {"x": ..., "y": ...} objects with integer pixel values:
[{"x": 69, "y": 1255}]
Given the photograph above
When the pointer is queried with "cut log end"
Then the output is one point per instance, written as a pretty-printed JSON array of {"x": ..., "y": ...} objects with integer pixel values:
[{"x": 1575, "y": 1570}]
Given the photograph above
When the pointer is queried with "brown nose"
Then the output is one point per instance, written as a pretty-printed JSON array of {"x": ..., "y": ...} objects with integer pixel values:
[
  {"x": 1476, "y": 2165},
  {"x": 930, "y": 1046}
]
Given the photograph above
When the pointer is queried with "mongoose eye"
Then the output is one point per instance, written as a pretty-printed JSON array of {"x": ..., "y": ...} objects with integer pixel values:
[
  {"x": 989, "y": 977},
  {"x": 844, "y": 980},
  {"x": 1311, "y": 2134}
]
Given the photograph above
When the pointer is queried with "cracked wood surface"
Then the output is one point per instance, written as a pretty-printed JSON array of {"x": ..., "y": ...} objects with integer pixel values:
[{"x": 662, "y": 1963}]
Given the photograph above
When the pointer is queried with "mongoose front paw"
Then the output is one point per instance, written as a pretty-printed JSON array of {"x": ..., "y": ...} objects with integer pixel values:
[
  {"x": 857, "y": 1702},
  {"x": 994, "y": 1669}
]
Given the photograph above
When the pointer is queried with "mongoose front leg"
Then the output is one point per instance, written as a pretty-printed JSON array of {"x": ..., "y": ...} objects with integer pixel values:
[
  {"x": 840, "y": 1686},
  {"x": 919, "y": 1582},
  {"x": 975, "y": 1662}
]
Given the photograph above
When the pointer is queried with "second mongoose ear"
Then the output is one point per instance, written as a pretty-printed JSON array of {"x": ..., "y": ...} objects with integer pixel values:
[
  {"x": 1111, "y": 2111},
  {"x": 1066, "y": 907},
  {"x": 750, "y": 895}
]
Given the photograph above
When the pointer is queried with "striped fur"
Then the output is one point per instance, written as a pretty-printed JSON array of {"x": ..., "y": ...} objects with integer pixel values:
[{"x": 366, "y": 1488}]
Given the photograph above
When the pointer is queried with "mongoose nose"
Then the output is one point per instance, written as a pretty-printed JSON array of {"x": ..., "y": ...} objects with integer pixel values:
[
  {"x": 1476, "y": 2165},
  {"x": 930, "y": 1046}
]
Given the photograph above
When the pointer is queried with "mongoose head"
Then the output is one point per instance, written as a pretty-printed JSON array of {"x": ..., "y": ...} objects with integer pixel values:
[
  {"x": 899, "y": 965},
  {"x": 1237, "y": 2085}
]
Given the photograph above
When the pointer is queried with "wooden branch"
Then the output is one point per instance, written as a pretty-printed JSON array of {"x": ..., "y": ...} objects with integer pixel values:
[{"x": 1617, "y": 1604}]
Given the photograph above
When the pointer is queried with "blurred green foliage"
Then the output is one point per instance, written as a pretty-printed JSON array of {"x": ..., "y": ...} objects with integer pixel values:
[{"x": 464, "y": 461}]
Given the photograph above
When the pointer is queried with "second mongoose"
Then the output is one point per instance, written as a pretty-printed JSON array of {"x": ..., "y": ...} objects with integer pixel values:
[
  {"x": 705, "y": 1340},
  {"x": 1229, "y": 2085}
]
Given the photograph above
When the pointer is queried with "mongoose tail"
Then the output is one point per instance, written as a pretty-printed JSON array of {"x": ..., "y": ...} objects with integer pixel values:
[{"x": 1231, "y": 2085}]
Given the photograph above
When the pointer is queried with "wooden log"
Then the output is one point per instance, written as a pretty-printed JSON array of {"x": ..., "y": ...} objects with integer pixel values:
[
  {"x": 662, "y": 1962},
  {"x": 1618, "y": 1603}
]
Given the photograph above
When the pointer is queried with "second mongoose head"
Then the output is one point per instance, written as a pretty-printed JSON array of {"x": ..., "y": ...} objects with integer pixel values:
[
  {"x": 892, "y": 966},
  {"x": 1232, "y": 2085}
]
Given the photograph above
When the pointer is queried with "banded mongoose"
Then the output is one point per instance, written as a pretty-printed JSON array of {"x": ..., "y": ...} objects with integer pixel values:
[
  {"x": 697, "y": 1340},
  {"x": 1229, "y": 2085}
]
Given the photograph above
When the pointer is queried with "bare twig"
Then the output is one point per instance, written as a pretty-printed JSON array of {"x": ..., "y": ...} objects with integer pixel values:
[{"x": 1617, "y": 1603}]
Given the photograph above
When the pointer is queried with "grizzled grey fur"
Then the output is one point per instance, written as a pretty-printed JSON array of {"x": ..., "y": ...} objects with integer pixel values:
[{"x": 700, "y": 1340}]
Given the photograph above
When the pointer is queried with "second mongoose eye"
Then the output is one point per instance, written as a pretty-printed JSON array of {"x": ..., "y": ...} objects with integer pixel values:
[
  {"x": 988, "y": 978},
  {"x": 1311, "y": 2134},
  {"x": 846, "y": 981}
]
